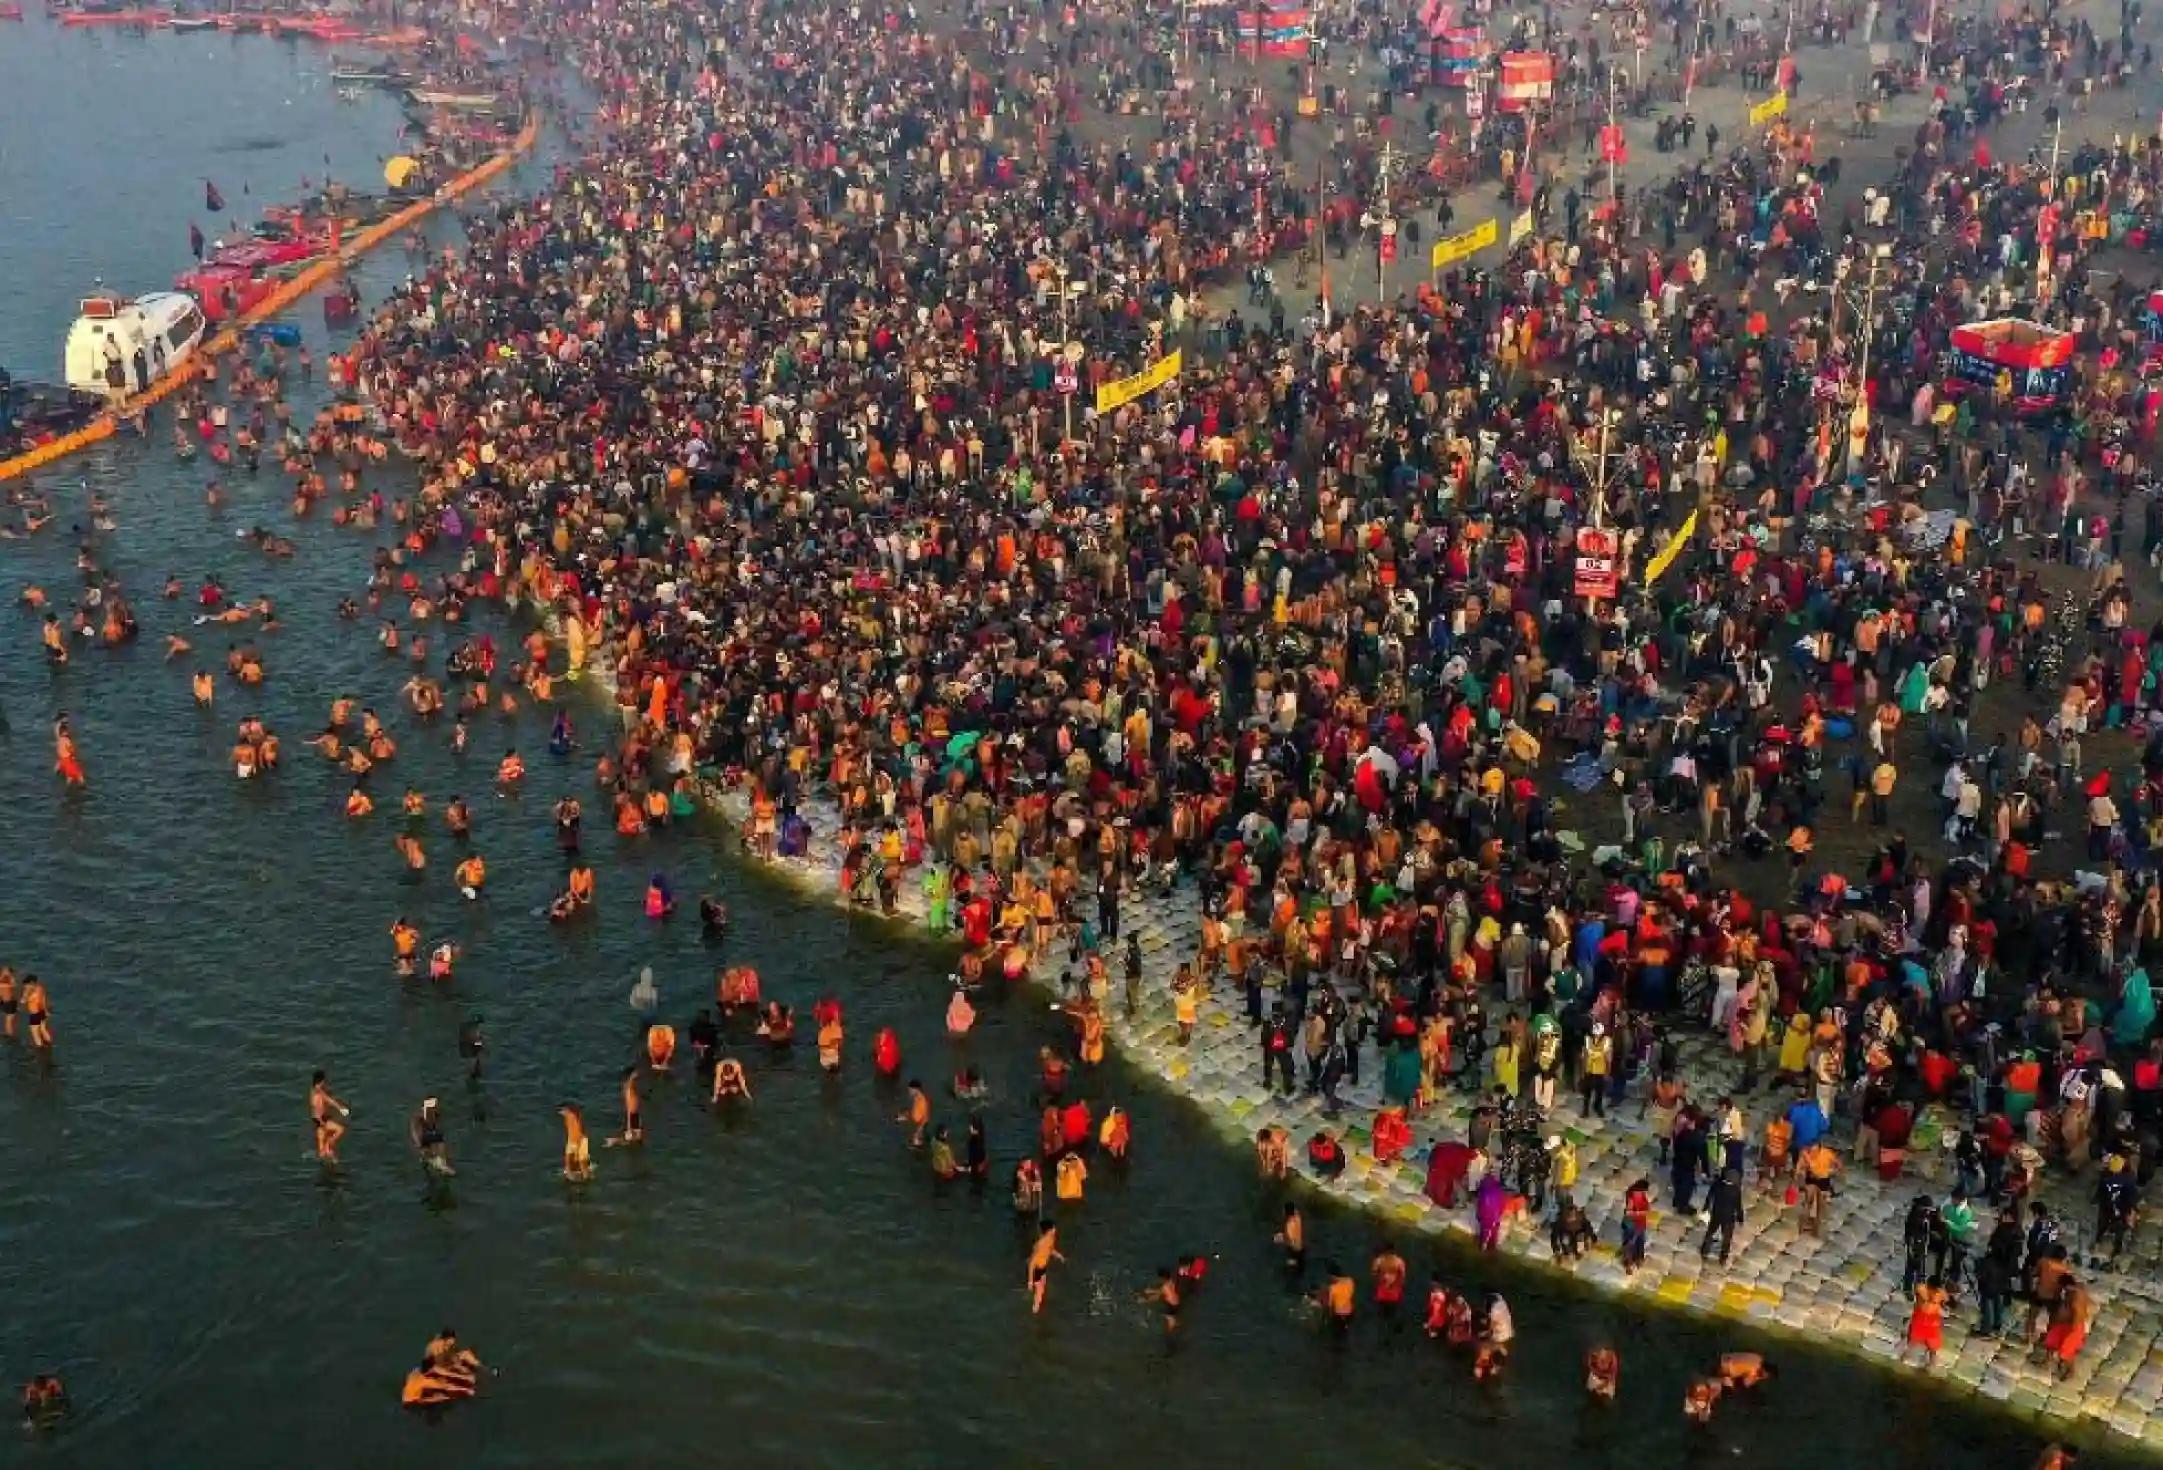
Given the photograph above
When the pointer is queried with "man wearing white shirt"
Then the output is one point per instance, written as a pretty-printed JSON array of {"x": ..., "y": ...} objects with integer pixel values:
[{"x": 2102, "y": 816}]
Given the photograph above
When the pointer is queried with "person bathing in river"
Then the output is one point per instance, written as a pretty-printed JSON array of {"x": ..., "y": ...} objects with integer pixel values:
[
  {"x": 917, "y": 1114},
  {"x": 37, "y": 1013},
  {"x": 777, "y": 1026},
  {"x": 730, "y": 1081},
  {"x": 577, "y": 1149},
  {"x": 330, "y": 1115},
  {"x": 1603, "y": 1373},
  {"x": 447, "y": 1373},
  {"x": 425, "y": 1129},
  {"x": 405, "y": 946},
  {"x": 67, "y": 759},
  {"x": 1041, "y": 1256},
  {"x": 634, "y": 1128}
]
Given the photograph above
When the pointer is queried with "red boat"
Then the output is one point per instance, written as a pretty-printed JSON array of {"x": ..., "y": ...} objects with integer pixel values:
[
  {"x": 224, "y": 290},
  {"x": 11, "y": 12},
  {"x": 261, "y": 255}
]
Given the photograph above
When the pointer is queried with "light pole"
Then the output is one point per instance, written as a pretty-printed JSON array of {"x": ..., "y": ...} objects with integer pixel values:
[
  {"x": 2046, "y": 226},
  {"x": 1613, "y": 187},
  {"x": 1859, "y": 416},
  {"x": 1594, "y": 467},
  {"x": 1066, "y": 346},
  {"x": 1385, "y": 226}
]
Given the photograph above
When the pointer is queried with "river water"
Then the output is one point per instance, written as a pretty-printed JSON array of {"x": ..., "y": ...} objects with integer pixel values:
[{"x": 782, "y": 1286}]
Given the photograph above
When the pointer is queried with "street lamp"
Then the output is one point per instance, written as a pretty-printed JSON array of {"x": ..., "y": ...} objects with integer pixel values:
[
  {"x": 1069, "y": 358},
  {"x": 1859, "y": 416}
]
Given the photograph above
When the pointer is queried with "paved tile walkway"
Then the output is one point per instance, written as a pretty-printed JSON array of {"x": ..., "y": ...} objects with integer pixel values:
[{"x": 1843, "y": 1287}]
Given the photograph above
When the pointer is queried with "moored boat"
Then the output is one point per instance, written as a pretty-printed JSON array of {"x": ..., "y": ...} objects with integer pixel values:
[
  {"x": 369, "y": 73},
  {"x": 117, "y": 18},
  {"x": 225, "y": 291},
  {"x": 121, "y": 345},
  {"x": 464, "y": 101}
]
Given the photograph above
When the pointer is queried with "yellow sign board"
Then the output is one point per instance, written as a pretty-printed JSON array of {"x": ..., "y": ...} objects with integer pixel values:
[
  {"x": 1456, "y": 247},
  {"x": 1669, "y": 552},
  {"x": 1520, "y": 227},
  {"x": 1122, "y": 391},
  {"x": 1769, "y": 109}
]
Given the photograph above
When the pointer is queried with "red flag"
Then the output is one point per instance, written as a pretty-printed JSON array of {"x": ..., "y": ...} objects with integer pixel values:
[{"x": 1614, "y": 148}]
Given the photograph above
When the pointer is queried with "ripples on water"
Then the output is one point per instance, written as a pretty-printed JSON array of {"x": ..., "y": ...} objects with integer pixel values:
[{"x": 778, "y": 1286}]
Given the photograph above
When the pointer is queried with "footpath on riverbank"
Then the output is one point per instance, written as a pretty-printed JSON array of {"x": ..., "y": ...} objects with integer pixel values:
[{"x": 1841, "y": 1289}]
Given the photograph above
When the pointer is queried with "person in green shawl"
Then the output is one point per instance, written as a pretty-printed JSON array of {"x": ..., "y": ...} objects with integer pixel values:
[
  {"x": 1400, "y": 1074},
  {"x": 938, "y": 893},
  {"x": 1914, "y": 688},
  {"x": 2136, "y": 1010}
]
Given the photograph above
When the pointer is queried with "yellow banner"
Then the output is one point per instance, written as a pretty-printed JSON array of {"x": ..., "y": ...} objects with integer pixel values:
[
  {"x": 1669, "y": 552},
  {"x": 1470, "y": 242},
  {"x": 1520, "y": 227},
  {"x": 1121, "y": 391},
  {"x": 1769, "y": 109}
]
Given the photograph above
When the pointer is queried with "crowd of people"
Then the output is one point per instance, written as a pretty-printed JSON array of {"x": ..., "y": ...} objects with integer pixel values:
[
  {"x": 761, "y": 405},
  {"x": 765, "y": 407}
]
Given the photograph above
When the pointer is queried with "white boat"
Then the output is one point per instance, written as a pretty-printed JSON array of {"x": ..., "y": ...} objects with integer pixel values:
[
  {"x": 466, "y": 101},
  {"x": 164, "y": 327}
]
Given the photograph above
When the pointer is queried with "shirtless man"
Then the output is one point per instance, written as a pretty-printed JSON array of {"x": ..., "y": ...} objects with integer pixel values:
[
  {"x": 1041, "y": 1255},
  {"x": 405, "y": 945},
  {"x": 426, "y": 1131},
  {"x": 446, "y": 1374},
  {"x": 1167, "y": 1296},
  {"x": 9, "y": 1003},
  {"x": 444, "y": 1354},
  {"x": 37, "y": 1013},
  {"x": 329, "y": 1114}
]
